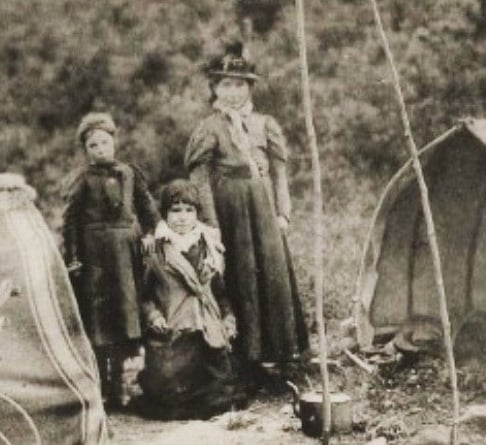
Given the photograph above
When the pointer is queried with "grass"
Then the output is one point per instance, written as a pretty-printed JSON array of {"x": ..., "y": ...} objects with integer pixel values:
[{"x": 350, "y": 200}]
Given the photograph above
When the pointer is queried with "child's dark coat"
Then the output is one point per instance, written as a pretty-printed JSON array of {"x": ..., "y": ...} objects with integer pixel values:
[{"x": 108, "y": 209}]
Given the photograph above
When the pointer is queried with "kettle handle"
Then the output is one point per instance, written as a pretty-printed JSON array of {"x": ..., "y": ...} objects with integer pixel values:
[{"x": 295, "y": 395}]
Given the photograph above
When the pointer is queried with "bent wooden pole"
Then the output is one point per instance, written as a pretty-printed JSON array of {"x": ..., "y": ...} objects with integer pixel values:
[
  {"x": 318, "y": 224},
  {"x": 429, "y": 223}
]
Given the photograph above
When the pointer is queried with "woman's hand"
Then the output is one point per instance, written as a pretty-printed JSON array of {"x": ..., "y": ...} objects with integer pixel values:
[
  {"x": 74, "y": 268},
  {"x": 283, "y": 223},
  {"x": 148, "y": 244},
  {"x": 159, "y": 324},
  {"x": 229, "y": 322}
]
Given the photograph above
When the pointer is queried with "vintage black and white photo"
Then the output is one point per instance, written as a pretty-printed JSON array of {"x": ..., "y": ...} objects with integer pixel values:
[{"x": 242, "y": 222}]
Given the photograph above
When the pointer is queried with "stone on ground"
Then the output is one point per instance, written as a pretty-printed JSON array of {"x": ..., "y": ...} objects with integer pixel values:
[
  {"x": 378, "y": 441},
  {"x": 475, "y": 415},
  {"x": 432, "y": 435}
]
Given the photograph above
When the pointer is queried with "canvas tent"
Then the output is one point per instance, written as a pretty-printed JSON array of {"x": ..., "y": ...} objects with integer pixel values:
[
  {"x": 49, "y": 385},
  {"x": 396, "y": 283}
]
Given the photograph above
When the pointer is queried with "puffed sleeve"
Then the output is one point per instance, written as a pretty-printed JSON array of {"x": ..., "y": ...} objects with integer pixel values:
[
  {"x": 147, "y": 213},
  {"x": 198, "y": 160},
  {"x": 74, "y": 195},
  {"x": 278, "y": 154}
]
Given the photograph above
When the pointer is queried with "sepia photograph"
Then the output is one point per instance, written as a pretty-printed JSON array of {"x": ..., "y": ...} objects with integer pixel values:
[{"x": 242, "y": 222}]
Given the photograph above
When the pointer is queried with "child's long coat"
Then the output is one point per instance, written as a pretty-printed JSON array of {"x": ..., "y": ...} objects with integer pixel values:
[{"x": 108, "y": 210}]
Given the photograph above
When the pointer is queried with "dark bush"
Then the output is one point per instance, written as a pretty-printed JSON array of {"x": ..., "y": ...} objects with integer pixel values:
[
  {"x": 153, "y": 70},
  {"x": 263, "y": 13}
]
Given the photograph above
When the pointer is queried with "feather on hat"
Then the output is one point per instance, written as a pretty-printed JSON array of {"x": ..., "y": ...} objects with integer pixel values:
[{"x": 233, "y": 63}]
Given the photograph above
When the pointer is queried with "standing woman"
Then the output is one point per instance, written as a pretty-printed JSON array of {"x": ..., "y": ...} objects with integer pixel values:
[{"x": 237, "y": 157}]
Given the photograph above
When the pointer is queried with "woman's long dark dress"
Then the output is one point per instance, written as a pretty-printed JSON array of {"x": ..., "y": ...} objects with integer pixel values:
[{"x": 244, "y": 204}]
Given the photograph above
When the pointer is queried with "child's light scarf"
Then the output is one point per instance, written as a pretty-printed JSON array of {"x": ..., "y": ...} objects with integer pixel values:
[
  {"x": 239, "y": 130},
  {"x": 183, "y": 243}
]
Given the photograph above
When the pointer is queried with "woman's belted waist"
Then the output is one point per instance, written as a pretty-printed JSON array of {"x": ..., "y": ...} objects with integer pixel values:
[{"x": 238, "y": 172}]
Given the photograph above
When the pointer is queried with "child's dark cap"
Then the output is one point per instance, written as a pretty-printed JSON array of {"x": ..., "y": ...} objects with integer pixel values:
[{"x": 95, "y": 121}]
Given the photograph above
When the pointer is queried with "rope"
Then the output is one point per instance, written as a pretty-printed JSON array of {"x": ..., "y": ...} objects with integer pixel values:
[
  {"x": 318, "y": 223},
  {"x": 434, "y": 248}
]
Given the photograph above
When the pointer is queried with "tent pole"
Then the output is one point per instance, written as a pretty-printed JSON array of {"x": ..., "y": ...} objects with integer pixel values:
[
  {"x": 317, "y": 223},
  {"x": 434, "y": 248}
]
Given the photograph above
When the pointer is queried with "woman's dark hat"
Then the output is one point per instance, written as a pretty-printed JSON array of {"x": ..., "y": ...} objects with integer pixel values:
[{"x": 232, "y": 64}]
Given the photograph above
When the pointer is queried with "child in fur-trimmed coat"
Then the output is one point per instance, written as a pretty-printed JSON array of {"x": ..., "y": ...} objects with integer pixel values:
[{"x": 109, "y": 209}]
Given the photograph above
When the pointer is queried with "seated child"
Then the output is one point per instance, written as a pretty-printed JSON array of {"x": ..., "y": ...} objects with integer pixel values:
[
  {"x": 108, "y": 209},
  {"x": 188, "y": 373}
]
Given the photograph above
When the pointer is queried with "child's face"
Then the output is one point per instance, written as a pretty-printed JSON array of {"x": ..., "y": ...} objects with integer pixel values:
[
  {"x": 232, "y": 91},
  {"x": 182, "y": 217},
  {"x": 100, "y": 147}
]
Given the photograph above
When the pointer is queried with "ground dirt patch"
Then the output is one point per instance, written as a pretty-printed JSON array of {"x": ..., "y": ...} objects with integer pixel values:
[{"x": 396, "y": 404}]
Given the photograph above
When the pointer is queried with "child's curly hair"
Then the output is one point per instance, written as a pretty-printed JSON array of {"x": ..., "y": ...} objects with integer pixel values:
[{"x": 179, "y": 190}]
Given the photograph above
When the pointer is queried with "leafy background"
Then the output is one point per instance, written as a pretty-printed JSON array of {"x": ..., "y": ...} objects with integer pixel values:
[{"x": 142, "y": 61}]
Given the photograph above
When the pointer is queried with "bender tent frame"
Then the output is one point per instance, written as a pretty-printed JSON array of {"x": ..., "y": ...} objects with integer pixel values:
[
  {"x": 396, "y": 280},
  {"x": 49, "y": 384}
]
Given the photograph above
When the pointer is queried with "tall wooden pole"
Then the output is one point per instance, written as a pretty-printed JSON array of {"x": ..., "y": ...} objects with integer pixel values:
[
  {"x": 434, "y": 248},
  {"x": 317, "y": 222}
]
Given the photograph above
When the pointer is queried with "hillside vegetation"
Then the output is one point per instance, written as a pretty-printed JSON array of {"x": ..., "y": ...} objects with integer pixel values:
[{"x": 142, "y": 61}]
